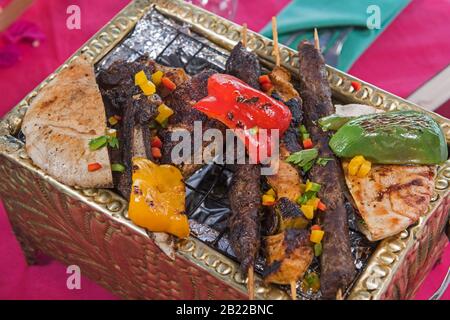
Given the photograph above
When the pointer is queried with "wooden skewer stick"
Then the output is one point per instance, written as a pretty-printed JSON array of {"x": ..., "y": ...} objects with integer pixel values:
[
  {"x": 276, "y": 50},
  {"x": 293, "y": 290},
  {"x": 316, "y": 39},
  {"x": 339, "y": 295},
  {"x": 244, "y": 35},
  {"x": 251, "y": 283}
]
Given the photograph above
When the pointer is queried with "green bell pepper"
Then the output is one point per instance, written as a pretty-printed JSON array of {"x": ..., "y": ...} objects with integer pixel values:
[{"x": 398, "y": 137}]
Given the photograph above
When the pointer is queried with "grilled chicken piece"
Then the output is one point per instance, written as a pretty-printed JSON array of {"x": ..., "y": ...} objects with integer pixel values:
[
  {"x": 286, "y": 182},
  {"x": 289, "y": 255},
  {"x": 282, "y": 85},
  {"x": 391, "y": 197}
]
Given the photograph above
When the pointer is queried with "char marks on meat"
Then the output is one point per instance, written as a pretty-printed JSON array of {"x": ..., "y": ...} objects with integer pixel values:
[
  {"x": 181, "y": 101},
  {"x": 122, "y": 98},
  {"x": 244, "y": 65},
  {"x": 244, "y": 222},
  {"x": 337, "y": 267},
  {"x": 244, "y": 193}
]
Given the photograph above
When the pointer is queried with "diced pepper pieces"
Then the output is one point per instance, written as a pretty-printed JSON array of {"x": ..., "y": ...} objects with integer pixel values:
[
  {"x": 271, "y": 192},
  {"x": 264, "y": 79},
  {"x": 316, "y": 236},
  {"x": 94, "y": 167},
  {"x": 117, "y": 167},
  {"x": 316, "y": 227},
  {"x": 156, "y": 153},
  {"x": 164, "y": 113},
  {"x": 356, "y": 85},
  {"x": 113, "y": 121},
  {"x": 321, "y": 206},
  {"x": 169, "y": 84},
  {"x": 317, "y": 249},
  {"x": 111, "y": 132},
  {"x": 308, "y": 211},
  {"x": 268, "y": 200},
  {"x": 307, "y": 143},
  {"x": 140, "y": 78},
  {"x": 312, "y": 186},
  {"x": 148, "y": 88},
  {"x": 355, "y": 164},
  {"x": 156, "y": 142},
  {"x": 117, "y": 117},
  {"x": 313, "y": 202},
  {"x": 364, "y": 169},
  {"x": 157, "y": 77},
  {"x": 266, "y": 86},
  {"x": 303, "y": 129}
]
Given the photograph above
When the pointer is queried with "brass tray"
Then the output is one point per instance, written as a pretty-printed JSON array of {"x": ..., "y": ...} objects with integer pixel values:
[{"x": 89, "y": 227}]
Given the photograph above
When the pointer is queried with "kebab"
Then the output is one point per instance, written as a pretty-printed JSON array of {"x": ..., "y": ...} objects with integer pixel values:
[
  {"x": 244, "y": 193},
  {"x": 288, "y": 248},
  {"x": 337, "y": 268}
]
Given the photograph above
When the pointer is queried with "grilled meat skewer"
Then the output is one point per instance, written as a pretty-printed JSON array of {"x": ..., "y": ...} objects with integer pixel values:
[
  {"x": 337, "y": 268},
  {"x": 244, "y": 193},
  {"x": 289, "y": 253}
]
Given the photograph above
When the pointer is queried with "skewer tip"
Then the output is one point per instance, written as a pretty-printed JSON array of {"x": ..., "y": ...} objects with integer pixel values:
[
  {"x": 293, "y": 290},
  {"x": 276, "y": 50},
  {"x": 339, "y": 295},
  {"x": 251, "y": 283},
  {"x": 244, "y": 34},
  {"x": 316, "y": 39}
]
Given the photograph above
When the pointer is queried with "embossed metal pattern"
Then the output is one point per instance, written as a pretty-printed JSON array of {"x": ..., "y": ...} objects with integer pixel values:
[{"x": 89, "y": 227}]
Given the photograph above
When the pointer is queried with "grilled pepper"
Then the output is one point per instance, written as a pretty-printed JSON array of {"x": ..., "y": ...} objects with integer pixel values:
[
  {"x": 157, "y": 200},
  {"x": 239, "y": 106},
  {"x": 399, "y": 137}
]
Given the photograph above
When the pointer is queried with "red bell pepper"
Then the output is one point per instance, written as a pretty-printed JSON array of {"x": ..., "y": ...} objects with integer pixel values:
[{"x": 239, "y": 106}]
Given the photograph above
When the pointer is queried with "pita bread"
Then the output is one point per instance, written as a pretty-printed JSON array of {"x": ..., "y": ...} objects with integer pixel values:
[
  {"x": 391, "y": 197},
  {"x": 61, "y": 120}
]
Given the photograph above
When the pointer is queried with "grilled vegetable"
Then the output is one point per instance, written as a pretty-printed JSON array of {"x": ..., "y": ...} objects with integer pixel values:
[
  {"x": 333, "y": 122},
  {"x": 237, "y": 105},
  {"x": 400, "y": 137},
  {"x": 289, "y": 216},
  {"x": 157, "y": 200}
]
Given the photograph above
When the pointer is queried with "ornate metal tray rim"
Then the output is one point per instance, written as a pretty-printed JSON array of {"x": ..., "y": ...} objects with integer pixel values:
[{"x": 389, "y": 254}]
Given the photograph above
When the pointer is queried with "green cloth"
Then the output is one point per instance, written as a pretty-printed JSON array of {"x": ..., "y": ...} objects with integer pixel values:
[{"x": 305, "y": 15}]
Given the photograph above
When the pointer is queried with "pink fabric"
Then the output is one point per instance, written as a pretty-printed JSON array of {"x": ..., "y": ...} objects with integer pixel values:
[{"x": 414, "y": 48}]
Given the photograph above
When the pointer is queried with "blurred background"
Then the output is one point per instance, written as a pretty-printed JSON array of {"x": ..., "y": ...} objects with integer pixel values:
[{"x": 401, "y": 46}]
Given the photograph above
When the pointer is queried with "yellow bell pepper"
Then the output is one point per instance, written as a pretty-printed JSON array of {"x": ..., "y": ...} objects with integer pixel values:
[
  {"x": 308, "y": 211},
  {"x": 164, "y": 113},
  {"x": 113, "y": 121},
  {"x": 157, "y": 200},
  {"x": 364, "y": 169},
  {"x": 313, "y": 202},
  {"x": 148, "y": 88},
  {"x": 156, "y": 77},
  {"x": 140, "y": 78},
  {"x": 355, "y": 164},
  {"x": 316, "y": 236},
  {"x": 268, "y": 200},
  {"x": 271, "y": 192}
]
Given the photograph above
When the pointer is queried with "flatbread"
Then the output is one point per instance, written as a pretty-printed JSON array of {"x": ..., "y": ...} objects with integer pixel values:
[
  {"x": 391, "y": 197},
  {"x": 61, "y": 120}
]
